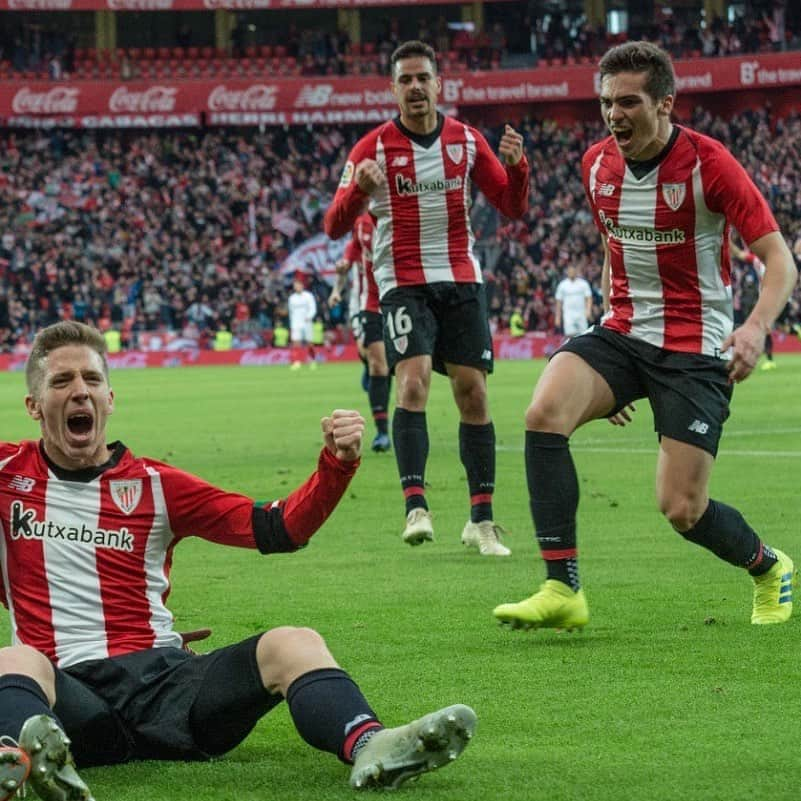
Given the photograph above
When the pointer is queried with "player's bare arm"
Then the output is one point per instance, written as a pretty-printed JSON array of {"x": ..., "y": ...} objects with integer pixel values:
[
  {"x": 342, "y": 268},
  {"x": 748, "y": 341},
  {"x": 369, "y": 176},
  {"x": 511, "y": 146},
  {"x": 342, "y": 434}
]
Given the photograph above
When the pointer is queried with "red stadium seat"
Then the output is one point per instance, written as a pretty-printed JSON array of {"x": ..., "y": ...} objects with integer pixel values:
[
  {"x": 148, "y": 53},
  {"x": 207, "y": 52},
  {"x": 178, "y": 53},
  {"x": 280, "y": 51},
  {"x": 163, "y": 53},
  {"x": 135, "y": 53},
  {"x": 266, "y": 51}
]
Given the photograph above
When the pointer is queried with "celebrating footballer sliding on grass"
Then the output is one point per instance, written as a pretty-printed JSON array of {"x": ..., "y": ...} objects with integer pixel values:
[
  {"x": 88, "y": 536},
  {"x": 414, "y": 174},
  {"x": 663, "y": 198}
]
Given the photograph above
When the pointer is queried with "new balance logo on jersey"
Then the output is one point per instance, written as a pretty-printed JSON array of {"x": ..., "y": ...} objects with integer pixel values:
[
  {"x": 486, "y": 355},
  {"x": 400, "y": 161},
  {"x": 406, "y": 186},
  {"x": 25, "y": 525},
  {"x": 22, "y": 483},
  {"x": 699, "y": 427},
  {"x": 606, "y": 190}
]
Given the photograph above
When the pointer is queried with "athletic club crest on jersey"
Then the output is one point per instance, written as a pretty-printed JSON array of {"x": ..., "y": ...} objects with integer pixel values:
[
  {"x": 455, "y": 153},
  {"x": 401, "y": 343},
  {"x": 674, "y": 195},
  {"x": 126, "y": 494}
]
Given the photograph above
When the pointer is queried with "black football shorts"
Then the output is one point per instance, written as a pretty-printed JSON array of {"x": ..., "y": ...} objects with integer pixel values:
[
  {"x": 689, "y": 393},
  {"x": 161, "y": 703},
  {"x": 371, "y": 328},
  {"x": 445, "y": 320}
]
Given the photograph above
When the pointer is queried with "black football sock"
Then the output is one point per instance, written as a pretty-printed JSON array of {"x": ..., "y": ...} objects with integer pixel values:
[
  {"x": 330, "y": 712},
  {"x": 477, "y": 452},
  {"x": 21, "y": 697},
  {"x": 378, "y": 393},
  {"x": 723, "y": 530},
  {"x": 410, "y": 439},
  {"x": 553, "y": 493}
]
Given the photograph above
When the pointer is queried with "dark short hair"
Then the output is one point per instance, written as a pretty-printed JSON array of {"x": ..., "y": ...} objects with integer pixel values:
[
  {"x": 58, "y": 335},
  {"x": 412, "y": 49},
  {"x": 642, "y": 57}
]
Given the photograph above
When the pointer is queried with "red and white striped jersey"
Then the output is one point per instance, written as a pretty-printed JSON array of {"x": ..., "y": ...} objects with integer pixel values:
[
  {"x": 86, "y": 564},
  {"x": 668, "y": 239},
  {"x": 422, "y": 211},
  {"x": 360, "y": 251}
]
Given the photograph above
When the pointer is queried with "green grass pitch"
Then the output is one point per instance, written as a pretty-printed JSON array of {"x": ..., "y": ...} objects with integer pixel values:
[{"x": 668, "y": 695}]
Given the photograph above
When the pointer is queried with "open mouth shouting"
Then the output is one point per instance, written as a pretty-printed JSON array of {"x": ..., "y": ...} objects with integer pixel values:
[
  {"x": 80, "y": 426},
  {"x": 623, "y": 136}
]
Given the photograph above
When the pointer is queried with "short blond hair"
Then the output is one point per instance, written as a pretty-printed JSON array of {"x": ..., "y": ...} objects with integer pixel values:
[{"x": 58, "y": 335}]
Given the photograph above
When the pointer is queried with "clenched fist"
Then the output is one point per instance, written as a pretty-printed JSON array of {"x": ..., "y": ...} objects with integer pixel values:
[{"x": 342, "y": 434}]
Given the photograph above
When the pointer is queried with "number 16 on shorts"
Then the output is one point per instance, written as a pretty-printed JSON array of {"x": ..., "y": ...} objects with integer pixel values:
[{"x": 399, "y": 325}]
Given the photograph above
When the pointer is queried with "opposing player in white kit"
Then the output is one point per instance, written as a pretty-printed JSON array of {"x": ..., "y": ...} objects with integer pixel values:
[
  {"x": 573, "y": 303},
  {"x": 87, "y": 535},
  {"x": 415, "y": 174},
  {"x": 302, "y": 309},
  {"x": 663, "y": 197}
]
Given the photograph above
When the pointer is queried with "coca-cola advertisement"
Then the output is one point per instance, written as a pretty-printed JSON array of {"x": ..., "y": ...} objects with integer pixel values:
[
  {"x": 56, "y": 100},
  {"x": 256, "y": 97},
  {"x": 367, "y": 99},
  {"x": 153, "y": 99}
]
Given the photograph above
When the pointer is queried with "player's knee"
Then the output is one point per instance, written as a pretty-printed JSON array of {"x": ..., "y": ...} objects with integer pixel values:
[
  {"x": 26, "y": 661},
  {"x": 284, "y": 641},
  {"x": 377, "y": 365},
  {"x": 681, "y": 511},
  {"x": 412, "y": 392},
  {"x": 543, "y": 415},
  {"x": 472, "y": 400}
]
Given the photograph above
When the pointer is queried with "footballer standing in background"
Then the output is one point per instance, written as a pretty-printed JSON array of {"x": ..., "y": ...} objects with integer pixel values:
[
  {"x": 414, "y": 174},
  {"x": 663, "y": 198},
  {"x": 302, "y": 309},
  {"x": 573, "y": 303},
  {"x": 365, "y": 314}
]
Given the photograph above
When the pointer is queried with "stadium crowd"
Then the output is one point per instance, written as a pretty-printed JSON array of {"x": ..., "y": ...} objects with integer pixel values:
[
  {"x": 187, "y": 232},
  {"x": 33, "y": 50}
]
